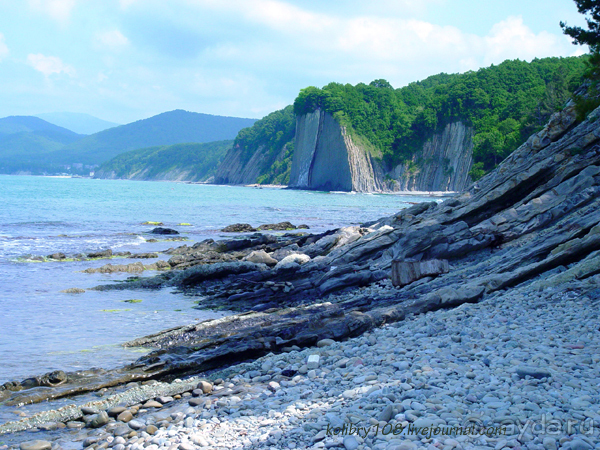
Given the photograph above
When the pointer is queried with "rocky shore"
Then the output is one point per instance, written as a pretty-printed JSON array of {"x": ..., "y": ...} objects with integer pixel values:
[{"x": 509, "y": 333}]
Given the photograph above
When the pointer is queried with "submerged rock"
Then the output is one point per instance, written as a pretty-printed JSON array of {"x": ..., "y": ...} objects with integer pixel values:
[
  {"x": 101, "y": 254},
  {"x": 161, "y": 230},
  {"x": 73, "y": 291}
]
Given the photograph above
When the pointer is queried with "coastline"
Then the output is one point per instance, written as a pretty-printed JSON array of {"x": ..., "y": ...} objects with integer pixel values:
[{"x": 505, "y": 334}]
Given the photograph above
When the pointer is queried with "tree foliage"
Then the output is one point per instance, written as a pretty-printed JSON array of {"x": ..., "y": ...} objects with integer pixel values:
[
  {"x": 273, "y": 135},
  {"x": 504, "y": 104},
  {"x": 591, "y": 36},
  {"x": 199, "y": 159}
]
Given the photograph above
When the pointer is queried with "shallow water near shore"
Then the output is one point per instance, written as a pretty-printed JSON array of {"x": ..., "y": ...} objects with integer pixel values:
[{"x": 43, "y": 329}]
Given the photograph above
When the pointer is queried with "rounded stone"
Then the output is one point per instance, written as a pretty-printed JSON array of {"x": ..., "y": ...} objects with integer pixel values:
[
  {"x": 38, "y": 444},
  {"x": 125, "y": 416},
  {"x": 115, "y": 411},
  {"x": 205, "y": 386},
  {"x": 135, "y": 424},
  {"x": 325, "y": 342}
]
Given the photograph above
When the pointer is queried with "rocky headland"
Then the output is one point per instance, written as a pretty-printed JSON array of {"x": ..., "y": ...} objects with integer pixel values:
[{"x": 509, "y": 333}]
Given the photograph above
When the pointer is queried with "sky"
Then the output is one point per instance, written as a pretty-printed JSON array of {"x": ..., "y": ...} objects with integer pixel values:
[{"x": 126, "y": 60}]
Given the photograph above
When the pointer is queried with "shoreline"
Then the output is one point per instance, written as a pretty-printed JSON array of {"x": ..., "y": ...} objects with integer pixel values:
[
  {"x": 253, "y": 185},
  {"x": 442, "y": 376},
  {"x": 502, "y": 327}
]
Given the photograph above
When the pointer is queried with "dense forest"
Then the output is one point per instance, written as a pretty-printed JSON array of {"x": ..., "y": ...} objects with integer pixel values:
[
  {"x": 199, "y": 161},
  {"x": 504, "y": 104},
  {"x": 270, "y": 135}
]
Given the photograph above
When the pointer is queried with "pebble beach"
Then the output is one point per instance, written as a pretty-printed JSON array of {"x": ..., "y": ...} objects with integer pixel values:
[{"x": 519, "y": 370}]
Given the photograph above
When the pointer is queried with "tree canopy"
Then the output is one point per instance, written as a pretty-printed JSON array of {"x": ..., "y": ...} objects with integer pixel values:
[{"x": 504, "y": 104}]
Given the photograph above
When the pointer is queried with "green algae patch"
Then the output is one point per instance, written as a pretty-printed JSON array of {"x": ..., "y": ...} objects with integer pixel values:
[
  {"x": 134, "y": 300},
  {"x": 114, "y": 310},
  {"x": 152, "y": 223},
  {"x": 184, "y": 224}
]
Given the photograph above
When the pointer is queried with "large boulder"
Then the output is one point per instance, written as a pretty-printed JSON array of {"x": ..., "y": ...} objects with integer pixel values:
[
  {"x": 239, "y": 228},
  {"x": 101, "y": 254},
  {"x": 292, "y": 260},
  {"x": 281, "y": 226},
  {"x": 260, "y": 257}
]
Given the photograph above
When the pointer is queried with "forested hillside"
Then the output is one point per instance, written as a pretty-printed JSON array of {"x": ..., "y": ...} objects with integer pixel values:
[
  {"x": 261, "y": 153},
  {"x": 190, "y": 162},
  {"x": 504, "y": 104}
]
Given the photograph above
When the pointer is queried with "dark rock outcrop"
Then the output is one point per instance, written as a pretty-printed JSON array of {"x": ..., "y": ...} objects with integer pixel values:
[
  {"x": 162, "y": 230},
  {"x": 239, "y": 228}
]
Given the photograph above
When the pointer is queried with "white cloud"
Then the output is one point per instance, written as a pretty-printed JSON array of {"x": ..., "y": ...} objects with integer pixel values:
[
  {"x": 59, "y": 10},
  {"x": 49, "y": 65},
  {"x": 112, "y": 39},
  {"x": 3, "y": 48},
  {"x": 511, "y": 38}
]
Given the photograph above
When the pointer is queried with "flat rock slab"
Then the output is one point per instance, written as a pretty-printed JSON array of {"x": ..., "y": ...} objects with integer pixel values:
[{"x": 405, "y": 272}]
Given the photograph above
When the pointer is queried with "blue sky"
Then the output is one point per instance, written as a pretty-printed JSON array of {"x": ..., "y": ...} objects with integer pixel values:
[{"x": 125, "y": 60}]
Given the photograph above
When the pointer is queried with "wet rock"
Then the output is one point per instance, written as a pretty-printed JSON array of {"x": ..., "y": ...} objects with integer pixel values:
[
  {"x": 98, "y": 420},
  {"x": 145, "y": 255},
  {"x": 114, "y": 268},
  {"x": 53, "y": 379},
  {"x": 239, "y": 228},
  {"x": 57, "y": 256},
  {"x": 73, "y": 291},
  {"x": 101, "y": 254},
  {"x": 281, "y": 226},
  {"x": 161, "y": 230}
]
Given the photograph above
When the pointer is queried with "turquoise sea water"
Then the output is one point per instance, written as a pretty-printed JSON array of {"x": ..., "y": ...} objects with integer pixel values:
[{"x": 42, "y": 329}]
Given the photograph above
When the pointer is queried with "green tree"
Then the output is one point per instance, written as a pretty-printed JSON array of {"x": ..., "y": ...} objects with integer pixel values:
[{"x": 591, "y": 36}]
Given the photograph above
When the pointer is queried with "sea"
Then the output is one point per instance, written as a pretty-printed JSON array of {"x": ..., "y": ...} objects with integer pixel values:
[{"x": 43, "y": 329}]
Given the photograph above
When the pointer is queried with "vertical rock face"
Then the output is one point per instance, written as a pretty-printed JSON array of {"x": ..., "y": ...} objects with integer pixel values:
[
  {"x": 442, "y": 165},
  {"x": 326, "y": 158}
]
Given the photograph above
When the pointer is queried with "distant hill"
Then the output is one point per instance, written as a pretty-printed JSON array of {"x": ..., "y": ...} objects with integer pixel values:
[
  {"x": 78, "y": 122},
  {"x": 27, "y": 141},
  {"x": 174, "y": 127},
  {"x": 18, "y": 124},
  {"x": 179, "y": 162}
]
